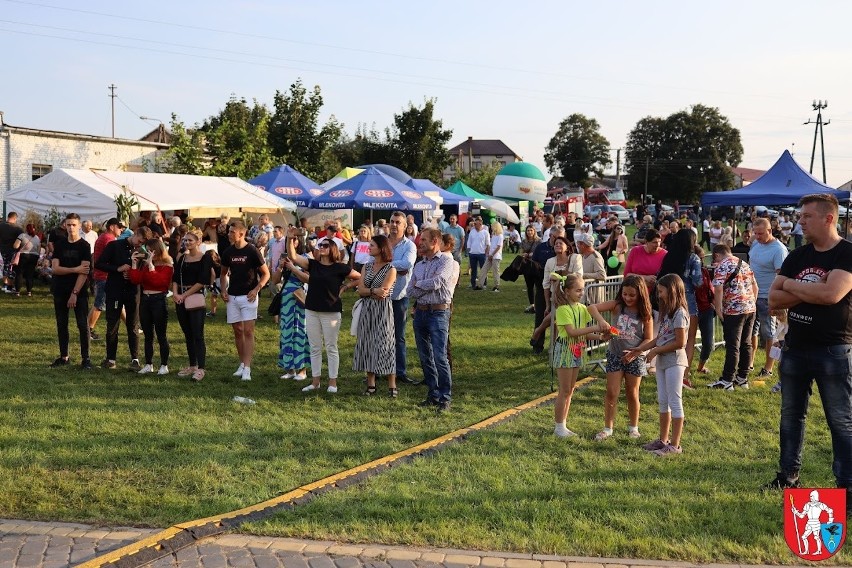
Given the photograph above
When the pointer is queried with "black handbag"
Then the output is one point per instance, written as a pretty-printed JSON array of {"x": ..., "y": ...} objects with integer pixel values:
[{"x": 274, "y": 308}]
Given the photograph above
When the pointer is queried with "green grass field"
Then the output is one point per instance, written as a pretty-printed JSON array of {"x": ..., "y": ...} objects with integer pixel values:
[{"x": 113, "y": 448}]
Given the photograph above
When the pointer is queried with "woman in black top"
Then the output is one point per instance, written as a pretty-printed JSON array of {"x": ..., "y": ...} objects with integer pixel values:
[
  {"x": 326, "y": 276},
  {"x": 192, "y": 273}
]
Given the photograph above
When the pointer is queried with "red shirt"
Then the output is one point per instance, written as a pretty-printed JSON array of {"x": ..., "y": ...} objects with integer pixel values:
[
  {"x": 157, "y": 280},
  {"x": 100, "y": 244}
]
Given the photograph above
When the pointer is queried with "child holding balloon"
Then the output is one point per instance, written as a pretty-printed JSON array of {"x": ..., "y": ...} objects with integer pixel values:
[{"x": 613, "y": 250}]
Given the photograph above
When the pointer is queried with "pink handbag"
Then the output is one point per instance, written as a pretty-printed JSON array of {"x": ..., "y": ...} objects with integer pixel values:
[{"x": 194, "y": 302}]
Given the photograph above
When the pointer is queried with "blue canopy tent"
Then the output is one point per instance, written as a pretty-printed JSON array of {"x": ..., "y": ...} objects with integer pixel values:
[
  {"x": 372, "y": 189},
  {"x": 784, "y": 184}
]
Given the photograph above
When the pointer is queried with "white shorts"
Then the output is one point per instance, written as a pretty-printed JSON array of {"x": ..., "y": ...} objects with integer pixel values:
[{"x": 240, "y": 309}]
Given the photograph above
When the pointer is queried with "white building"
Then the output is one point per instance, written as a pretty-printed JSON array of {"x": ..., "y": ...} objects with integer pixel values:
[
  {"x": 472, "y": 155},
  {"x": 26, "y": 154}
]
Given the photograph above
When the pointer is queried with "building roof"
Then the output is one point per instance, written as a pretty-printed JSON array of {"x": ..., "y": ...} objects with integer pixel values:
[
  {"x": 748, "y": 174},
  {"x": 483, "y": 147},
  {"x": 75, "y": 136}
]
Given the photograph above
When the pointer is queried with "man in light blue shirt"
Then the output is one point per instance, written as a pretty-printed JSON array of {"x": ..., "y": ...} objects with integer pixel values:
[
  {"x": 404, "y": 256},
  {"x": 765, "y": 257},
  {"x": 457, "y": 232}
]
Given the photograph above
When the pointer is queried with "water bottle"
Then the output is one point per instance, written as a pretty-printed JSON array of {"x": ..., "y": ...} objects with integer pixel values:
[{"x": 243, "y": 400}]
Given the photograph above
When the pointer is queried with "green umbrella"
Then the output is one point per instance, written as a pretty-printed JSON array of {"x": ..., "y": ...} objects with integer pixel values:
[{"x": 461, "y": 188}]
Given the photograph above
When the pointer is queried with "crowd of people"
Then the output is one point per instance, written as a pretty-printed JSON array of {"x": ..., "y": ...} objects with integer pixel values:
[{"x": 793, "y": 305}]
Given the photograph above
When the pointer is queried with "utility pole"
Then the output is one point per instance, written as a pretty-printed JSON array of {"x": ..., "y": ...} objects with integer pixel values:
[
  {"x": 645, "y": 192},
  {"x": 618, "y": 168},
  {"x": 112, "y": 96},
  {"x": 818, "y": 130}
]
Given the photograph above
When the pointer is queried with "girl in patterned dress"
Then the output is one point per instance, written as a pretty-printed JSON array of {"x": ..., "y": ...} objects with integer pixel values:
[{"x": 573, "y": 325}]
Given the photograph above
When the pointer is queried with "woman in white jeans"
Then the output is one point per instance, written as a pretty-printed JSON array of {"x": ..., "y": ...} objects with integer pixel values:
[
  {"x": 326, "y": 280},
  {"x": 493, "y": 256}
]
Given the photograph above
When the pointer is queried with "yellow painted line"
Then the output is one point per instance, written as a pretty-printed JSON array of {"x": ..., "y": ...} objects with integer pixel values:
[
  {"x": 151, "y": 541},
  {"x": 131, "y": 548}
]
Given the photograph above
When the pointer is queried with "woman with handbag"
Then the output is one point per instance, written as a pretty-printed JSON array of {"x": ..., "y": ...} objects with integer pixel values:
[
  {"x": 323, "y": 307},
  {"x": 191, "y": 274},
  {"x": 376, "y": 344},
  {"x": 28, "y": 248},
  {"x": 293, "y": 348},
  {"x": 527, "y": 245},
  {"x": 153, "y": 270}
]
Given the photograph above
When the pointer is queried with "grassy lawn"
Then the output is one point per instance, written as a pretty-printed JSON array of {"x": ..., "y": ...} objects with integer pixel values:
[{"x": 113, "y": 448}]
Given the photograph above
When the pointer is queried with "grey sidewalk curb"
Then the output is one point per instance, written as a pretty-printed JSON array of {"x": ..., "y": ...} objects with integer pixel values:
[{"x": 393, "y": 554}]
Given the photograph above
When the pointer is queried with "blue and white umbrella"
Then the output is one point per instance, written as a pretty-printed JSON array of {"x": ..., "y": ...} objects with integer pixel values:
[
  {"x": 287, "y": 183},
  {"x": 372, "y": 189}
]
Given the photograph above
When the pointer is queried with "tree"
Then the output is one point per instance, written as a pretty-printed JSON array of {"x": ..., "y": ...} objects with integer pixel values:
[
  {"x": 237, "y": 140},
  {"x": 419, "y": 142},
  {"x": 186, "y": 151},
  {"x": 482, "y": 180},
  {"x": 577, "y": 149},
  {"x": 294, "y": 134},
  {"x": 683, "y": 155}
]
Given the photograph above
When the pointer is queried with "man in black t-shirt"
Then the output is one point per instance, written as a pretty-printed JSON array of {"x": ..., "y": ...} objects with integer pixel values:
[
  {"x": 244, "y": 274},
  {"x": 72, "y": 259},
  {"x": 9, "y": 231},
  {"x": 815, "y": 286}
]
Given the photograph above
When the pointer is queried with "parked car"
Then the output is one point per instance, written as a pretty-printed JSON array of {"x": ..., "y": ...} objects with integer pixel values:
[
  {"x": 764, "y": 211},
  {"x": 596, "y": 211}
]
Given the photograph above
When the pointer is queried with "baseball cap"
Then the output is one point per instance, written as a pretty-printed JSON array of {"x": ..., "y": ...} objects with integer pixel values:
[{"x": 113, "y": 221}]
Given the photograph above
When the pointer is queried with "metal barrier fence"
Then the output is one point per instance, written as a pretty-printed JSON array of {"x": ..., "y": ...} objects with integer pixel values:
[{"x": 597, "y": 292}]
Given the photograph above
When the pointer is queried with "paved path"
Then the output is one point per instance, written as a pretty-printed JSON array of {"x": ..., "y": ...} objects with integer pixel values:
[{"x": 27, "y": 544}]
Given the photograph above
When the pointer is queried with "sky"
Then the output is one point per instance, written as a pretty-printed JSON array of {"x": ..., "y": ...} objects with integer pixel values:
[{"x": 497, "y": 69}]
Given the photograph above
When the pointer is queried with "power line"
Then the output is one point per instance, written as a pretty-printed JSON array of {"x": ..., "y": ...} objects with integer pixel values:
[{"x": 350, "y": 49}]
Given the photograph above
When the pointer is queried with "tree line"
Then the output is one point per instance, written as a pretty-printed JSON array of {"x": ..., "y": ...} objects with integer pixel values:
[
  {"x": 245, "y": 139},
  {"x": 675, "y": 157}
]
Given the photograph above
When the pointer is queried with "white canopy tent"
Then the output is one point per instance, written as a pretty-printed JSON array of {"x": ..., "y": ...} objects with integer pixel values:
[{"x": 91, "y": 194}]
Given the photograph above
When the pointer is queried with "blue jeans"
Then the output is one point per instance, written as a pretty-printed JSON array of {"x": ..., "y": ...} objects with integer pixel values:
[
  {"x": 706, "y": 324},
  {"x": 400, "y": 317},
  {"x": 431, "y": 330},
  {"x": 831, "y": 368},
  {"x": 476, "y": 262}
]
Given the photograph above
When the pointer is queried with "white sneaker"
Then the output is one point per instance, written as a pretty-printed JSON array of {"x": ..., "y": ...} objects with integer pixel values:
[
  {"x": 310, "y": 388},
  {"x": 246, "y": 375},
  {"x": 300, "y": 376},
  {"x": 331, "y": 390},
  {"x": 164, "y": 370},
  {"x": 146, "y": 369},
  {"x": 239, "y": 371},
  {"x": 634, "y": 433},
  {"x": 288, "y": 375},
  {"x": 562, "y": 431}
]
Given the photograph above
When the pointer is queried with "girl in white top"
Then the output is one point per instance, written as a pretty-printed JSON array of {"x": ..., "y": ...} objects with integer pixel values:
[
  {"x": 715, "y": 234},
  {"x": 493, "y": 256},
  {"x": 361, "y": 249}
]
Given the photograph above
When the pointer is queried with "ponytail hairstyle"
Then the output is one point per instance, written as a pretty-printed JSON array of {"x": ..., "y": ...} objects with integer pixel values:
[{"x": 562, "y": 283}]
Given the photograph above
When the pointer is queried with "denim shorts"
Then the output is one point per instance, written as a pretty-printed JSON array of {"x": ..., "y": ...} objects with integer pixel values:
[
  {"x": 100, "y": 295},
  {"x": 636, "y": 367},
  {"x": 764, "y": 324}
]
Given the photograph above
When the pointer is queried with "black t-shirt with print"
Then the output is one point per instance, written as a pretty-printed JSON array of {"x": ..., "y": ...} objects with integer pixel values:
[
  {"x": 69, "y": 255},
  {"x": 813, "y": 325},
  {"x": 243, "y": 264},
  {"x": 324, "y": 286}
]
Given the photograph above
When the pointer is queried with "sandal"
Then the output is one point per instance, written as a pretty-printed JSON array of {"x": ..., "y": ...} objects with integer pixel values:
[
  {"x": 370, "y": 391},
  {"x": 186, "y": 371},
  {"x": 393, "y": 392},
  {"x": 198, "y": 375}
]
